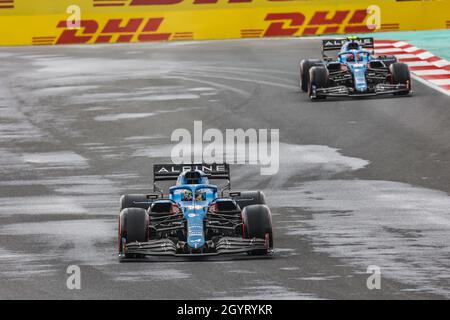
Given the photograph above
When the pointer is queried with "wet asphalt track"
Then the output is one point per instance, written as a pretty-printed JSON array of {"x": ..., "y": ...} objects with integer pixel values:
[{"x": 362, "y": 182}]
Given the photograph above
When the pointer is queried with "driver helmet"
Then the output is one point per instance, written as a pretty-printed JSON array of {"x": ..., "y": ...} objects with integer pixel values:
[
  {"x": 353, "y": 46},
  {"x": 200, "y": 195},
  {"x": 186, "y": 195}
]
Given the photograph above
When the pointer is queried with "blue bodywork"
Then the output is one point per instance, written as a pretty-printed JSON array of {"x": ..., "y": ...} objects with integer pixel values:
[
  {"x": 356, "y": 61},
  {"x": 194, "y": 197},
  {"x": 194, "y": 209}
]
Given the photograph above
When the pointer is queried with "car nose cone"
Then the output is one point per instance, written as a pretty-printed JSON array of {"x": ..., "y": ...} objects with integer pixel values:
[{"x": 195, "y": 238}]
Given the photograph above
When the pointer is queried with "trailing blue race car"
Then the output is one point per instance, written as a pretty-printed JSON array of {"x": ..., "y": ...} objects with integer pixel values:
[
  {"x": 196, "y": 219},
  {"x": 353, "y": 72}
]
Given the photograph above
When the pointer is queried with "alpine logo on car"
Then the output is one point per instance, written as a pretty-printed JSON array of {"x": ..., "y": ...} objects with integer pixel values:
[{"x": 177, "y": 169}]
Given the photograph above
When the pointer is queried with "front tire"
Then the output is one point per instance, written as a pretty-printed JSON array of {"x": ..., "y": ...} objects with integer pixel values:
[
  {"x": 257, "y": 220},
  {"x": 133, "y": 226},
  {"x": 305, "y": 66},
  {"x": 318, "y": 78},
  {"x": 400, "y": 75}
]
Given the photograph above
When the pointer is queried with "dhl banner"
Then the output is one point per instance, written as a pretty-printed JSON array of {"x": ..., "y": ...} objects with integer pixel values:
[{"x": 48, "y": 22}]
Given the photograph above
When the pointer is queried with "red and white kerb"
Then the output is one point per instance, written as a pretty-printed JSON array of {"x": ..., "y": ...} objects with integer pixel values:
[{"x": 425, "y": 66}]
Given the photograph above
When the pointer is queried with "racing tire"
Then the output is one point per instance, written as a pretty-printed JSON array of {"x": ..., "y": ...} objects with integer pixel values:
[
  {"x": 133, "y": 226},
  {"x": 388, "y": 59},
  {"x": 247, "y": 198},
  {"x": 134, "y": 201},
  {"x": 257, "y": 223},
  {"x": 318, "y": 77},
  {"x": 400, "y": 75},
  {"x": 305, "y": 66}
]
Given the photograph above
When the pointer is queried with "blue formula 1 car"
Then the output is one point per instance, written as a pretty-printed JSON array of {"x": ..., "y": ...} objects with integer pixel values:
[
  {"x": 353, "y": 71},
  {"x": 196, "y": 218}
]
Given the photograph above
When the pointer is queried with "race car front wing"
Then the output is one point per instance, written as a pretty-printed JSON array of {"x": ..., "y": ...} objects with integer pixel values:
[
  {"x": 343, "y": 91},
  {"x": 167, "y": 247}
]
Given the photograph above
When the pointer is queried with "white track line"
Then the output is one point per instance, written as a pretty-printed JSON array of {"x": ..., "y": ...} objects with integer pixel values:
[{"x": 431, "y": 85}]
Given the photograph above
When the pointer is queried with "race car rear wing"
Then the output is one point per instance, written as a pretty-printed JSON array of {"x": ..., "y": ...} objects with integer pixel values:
[
  {"x": 166, "y": 172},
  {"x": 336, "y": 44},
  {"x": 170, "y": 172}
]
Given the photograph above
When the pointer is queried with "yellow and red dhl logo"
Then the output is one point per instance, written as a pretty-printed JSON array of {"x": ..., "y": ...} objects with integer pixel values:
[
  {"x": 114, "y": 31},
  {"x": 6, "y": 4},
  {"x": 321, "y": 22},
  {"x": 146, "y": 29},
  {"x": 122, "y": 3}
]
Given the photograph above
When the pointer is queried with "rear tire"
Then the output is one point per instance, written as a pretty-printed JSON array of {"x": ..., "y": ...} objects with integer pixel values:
[
  {"x": 305, "y": 66},
  {"x": 133, "y": 226},
  {"x": 248, "y": 198},
  {"x": 388, "y": 60},
  {"x": 400, "y": 75},
  {"x": 257, "y": 221},
  {"x": 318, "y": 78},
  {"x": 135, "y": 201}
]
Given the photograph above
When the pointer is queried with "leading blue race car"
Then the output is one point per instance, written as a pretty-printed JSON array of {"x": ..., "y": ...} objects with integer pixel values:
[
  {"x": 196, "y": 218},
  {"x": 354, "y": 71}
]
